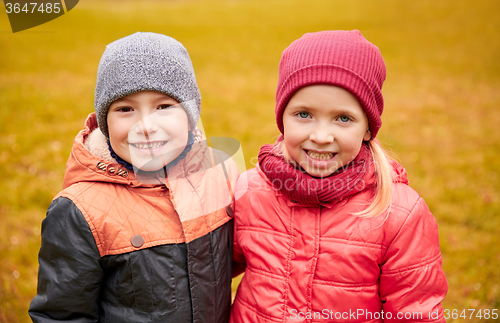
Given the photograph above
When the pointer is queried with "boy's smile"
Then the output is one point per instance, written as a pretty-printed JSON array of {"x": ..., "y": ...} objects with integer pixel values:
[
  {"x": 324, "y": 127},
  {"x": 148, "y": 145},
  {"x": 148, "y": 129}
]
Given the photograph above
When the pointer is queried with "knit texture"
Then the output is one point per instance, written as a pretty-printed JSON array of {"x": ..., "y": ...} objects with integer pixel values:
[
  {"x": 340, "y": 58},
  {"x": 142, "y": 62},
  {"x": 300, "y": 187}
]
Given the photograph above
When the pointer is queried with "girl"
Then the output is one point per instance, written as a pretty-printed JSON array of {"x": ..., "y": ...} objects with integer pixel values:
[
  {"x": 141, "y": 231},
  {"x": 329, "y": 230}
]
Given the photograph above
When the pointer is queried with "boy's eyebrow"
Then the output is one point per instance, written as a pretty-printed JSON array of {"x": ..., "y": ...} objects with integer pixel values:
[
  {"x": 122, "y": 99},
  {"x": 162, "y": 97},
  {"x": 165, "y": 96}
]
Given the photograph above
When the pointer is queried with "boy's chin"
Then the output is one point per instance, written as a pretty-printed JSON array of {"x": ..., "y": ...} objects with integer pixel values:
[
  {"x": 149, "y": 168},
  {"x": 152, "y": 165}
]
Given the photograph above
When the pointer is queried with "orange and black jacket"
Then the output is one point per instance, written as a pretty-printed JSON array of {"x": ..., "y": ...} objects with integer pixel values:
[{"x": 115, "y": 249}]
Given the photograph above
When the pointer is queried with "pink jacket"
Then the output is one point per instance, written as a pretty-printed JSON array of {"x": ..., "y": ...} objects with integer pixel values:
[{"x": 320, "y": 264}]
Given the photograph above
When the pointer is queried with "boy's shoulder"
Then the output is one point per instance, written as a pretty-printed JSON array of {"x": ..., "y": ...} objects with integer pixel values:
[
  {"x": 87, "y": 191},
  {"x": 76, "y": 191},
  {"x": 114, "y": 212}
]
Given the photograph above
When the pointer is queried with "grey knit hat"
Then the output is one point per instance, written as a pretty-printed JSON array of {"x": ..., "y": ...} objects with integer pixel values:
[{"x": 142, "y": 62}]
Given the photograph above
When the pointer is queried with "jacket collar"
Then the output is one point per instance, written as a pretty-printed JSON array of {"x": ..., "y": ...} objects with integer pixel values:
[{"x": 91, "y": 161}]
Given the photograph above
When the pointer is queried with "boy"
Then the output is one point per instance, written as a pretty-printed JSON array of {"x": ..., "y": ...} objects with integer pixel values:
[{"x": 134, "y": 235}]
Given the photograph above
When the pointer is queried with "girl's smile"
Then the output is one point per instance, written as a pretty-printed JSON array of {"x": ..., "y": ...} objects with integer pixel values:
[
  {"x": 148, "y": 129},
  {"x": 319, "y": 159},
  {"x": 316, "y": 155},
  {"x": 324, "y": 127}
]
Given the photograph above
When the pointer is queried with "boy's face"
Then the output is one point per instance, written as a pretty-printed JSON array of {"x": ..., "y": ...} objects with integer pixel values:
[
  {"x": 324, "y": 127},
  {"x": 147, "y": 129}
]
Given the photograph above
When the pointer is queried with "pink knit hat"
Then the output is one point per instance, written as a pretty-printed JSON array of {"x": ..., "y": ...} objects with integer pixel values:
[{"x": 338, "y": 57}]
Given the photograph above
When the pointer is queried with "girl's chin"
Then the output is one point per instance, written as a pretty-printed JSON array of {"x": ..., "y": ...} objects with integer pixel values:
[
  {"x": 320, "y": 168},
  {"x": 320, "y": 173}
]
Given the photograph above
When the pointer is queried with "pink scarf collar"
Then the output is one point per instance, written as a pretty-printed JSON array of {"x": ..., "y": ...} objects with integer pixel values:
[{"x": 301, "y": 187}]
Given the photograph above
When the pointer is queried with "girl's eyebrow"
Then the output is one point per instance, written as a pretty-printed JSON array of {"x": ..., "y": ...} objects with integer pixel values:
[
  {"x": 308, "y": 108},
  {"x": 345, "y": 111},
  {"x": 300, "y": 106}
]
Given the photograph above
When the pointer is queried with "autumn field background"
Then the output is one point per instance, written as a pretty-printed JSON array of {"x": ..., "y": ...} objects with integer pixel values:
[{"x": 441, "y": 117}]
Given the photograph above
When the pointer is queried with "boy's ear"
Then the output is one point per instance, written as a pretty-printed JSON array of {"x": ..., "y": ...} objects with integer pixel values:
[{"x": 367, "y": 136}]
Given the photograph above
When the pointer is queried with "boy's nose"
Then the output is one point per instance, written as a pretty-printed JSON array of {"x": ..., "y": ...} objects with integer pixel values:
[
  {"x": 147, "y": 125},
  {"x": 322, "y": 136}
]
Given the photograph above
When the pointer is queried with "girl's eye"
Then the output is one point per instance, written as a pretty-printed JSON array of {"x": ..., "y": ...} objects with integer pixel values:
[
  {"x": 303, "y": 115},
  {"x": 124, "y": 109},
  {"x": 164, "y": 106},
  {"x": 344, "y": 119}
]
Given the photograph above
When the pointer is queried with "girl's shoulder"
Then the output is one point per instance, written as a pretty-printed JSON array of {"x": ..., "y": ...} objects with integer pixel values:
[
  {"x": 409, "y": 210},
  {"x": 404, "y": 196},
  {"x": 254, "y": 179}
]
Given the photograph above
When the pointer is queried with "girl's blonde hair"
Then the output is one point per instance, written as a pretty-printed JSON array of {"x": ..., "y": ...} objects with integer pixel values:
[{"x": 381, "y": 201}]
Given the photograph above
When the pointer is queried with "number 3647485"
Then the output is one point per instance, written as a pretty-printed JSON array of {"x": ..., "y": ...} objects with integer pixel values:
[
  {"x": 470, "y": 313},
  {"x": 33, "y": 7}
]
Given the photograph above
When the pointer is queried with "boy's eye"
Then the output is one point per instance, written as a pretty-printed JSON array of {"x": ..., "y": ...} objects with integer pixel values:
[
  {"x": 124, "y": 109},
  {"x": 164, "y": 106},
  {"x": 344, "y": 119},
  {"x": 303, "y": 115}
]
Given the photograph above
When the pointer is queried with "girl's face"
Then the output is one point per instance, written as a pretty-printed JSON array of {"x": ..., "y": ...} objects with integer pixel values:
[
  {"x": 324, "y": 127},
  {"x": 147, "y": 129}
]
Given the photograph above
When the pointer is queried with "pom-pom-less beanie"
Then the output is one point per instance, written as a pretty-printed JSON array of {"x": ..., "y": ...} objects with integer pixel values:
[
  {"x": 341, "y": 58},
  {"x": 146, "y": 62}
]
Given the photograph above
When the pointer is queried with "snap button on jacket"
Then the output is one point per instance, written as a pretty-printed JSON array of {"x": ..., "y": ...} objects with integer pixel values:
[{"x": 115, "y": 249}]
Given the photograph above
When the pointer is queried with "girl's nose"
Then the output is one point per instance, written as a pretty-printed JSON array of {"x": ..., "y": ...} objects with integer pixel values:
[{"x": 322, "y": 136}]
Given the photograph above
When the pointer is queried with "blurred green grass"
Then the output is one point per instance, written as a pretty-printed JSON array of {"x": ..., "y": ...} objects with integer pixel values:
[{"x": 441, "y": 117}]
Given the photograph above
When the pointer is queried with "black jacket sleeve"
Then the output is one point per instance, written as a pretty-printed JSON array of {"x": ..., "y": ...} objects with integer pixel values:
[{"x": 69, "y": 274}]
